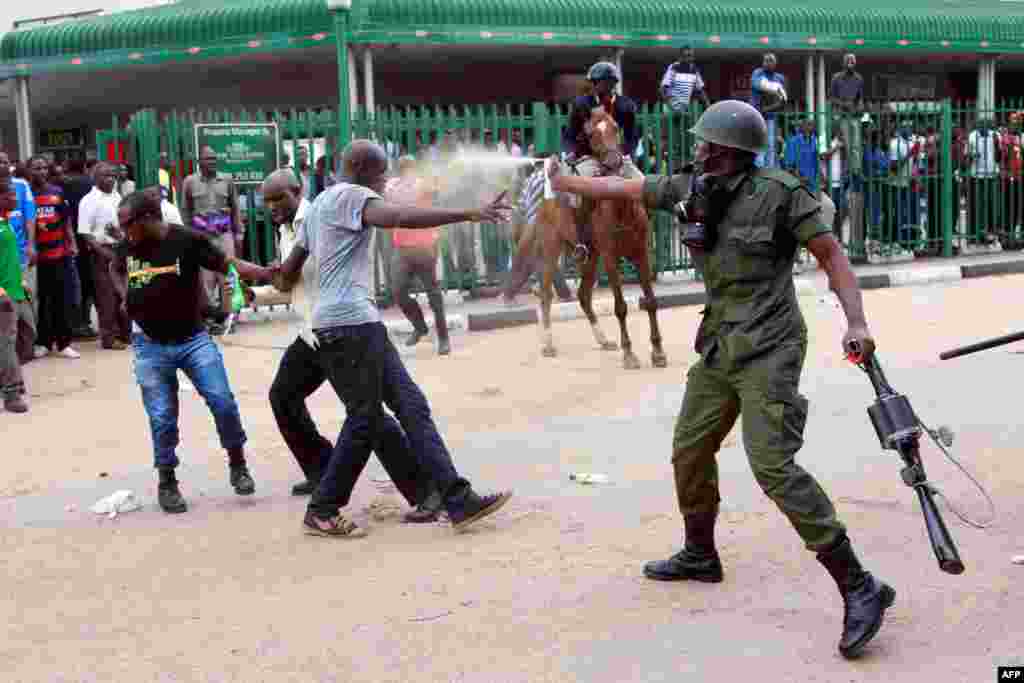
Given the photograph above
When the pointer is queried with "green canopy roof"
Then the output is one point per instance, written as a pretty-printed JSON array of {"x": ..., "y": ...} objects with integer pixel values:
[{"x": 194, "y": 29}]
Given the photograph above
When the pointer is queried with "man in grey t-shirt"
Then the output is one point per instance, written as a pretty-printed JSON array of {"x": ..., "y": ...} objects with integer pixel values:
[{"x": 358, "y": 358}]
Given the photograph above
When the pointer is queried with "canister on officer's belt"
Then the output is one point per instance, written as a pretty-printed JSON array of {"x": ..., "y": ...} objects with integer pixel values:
[{"x": 692, "y": 215}]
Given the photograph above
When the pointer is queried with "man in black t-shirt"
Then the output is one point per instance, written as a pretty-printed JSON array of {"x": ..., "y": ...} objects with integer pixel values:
[{"x": 158, "y": 276}]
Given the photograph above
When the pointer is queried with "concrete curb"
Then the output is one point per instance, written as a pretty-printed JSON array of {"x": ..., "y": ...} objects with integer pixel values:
[
  {"x": 805, "y": 286},
  {"x": 989, "y": 269}
]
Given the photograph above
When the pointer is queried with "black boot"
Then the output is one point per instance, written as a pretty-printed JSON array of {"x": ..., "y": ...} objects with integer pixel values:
[
  {"x": 444, "y": 345},
  {"x": 168, "y": 493},
  {"x": 240, "y": 478},
  {"x": 698, "y": 560},
  {"x": 865, "y": 598}
]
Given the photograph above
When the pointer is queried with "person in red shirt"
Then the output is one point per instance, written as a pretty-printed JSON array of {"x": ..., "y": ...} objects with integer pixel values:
[
  {"x": 415, "y": 256},
  {"x": 1013, "y": 157},
  {"x": 55, "y": 241}
]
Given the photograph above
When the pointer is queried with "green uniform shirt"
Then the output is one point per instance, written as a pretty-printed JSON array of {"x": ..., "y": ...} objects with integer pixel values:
[
  {"x": 10, "y": 263},
  {"x": 752, "y": 306}
]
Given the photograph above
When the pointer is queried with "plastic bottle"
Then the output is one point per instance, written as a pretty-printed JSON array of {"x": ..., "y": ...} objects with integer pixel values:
[{"x": 588, "y": 478}]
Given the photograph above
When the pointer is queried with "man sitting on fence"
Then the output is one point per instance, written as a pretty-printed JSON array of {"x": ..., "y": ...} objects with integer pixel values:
[{"x": 575, "y": 142}]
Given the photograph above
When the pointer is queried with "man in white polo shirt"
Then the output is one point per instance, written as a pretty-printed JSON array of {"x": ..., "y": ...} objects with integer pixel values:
[{"x": 97, "y": 215}]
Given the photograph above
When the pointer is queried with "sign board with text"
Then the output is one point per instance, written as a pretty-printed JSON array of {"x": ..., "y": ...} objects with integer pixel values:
[
  {"x": 65, "y": 138},
  {"x": 247, "y": 152}
]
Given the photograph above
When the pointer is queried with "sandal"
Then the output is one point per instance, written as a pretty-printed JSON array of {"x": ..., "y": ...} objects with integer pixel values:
[{"x": 337, "y": 526}]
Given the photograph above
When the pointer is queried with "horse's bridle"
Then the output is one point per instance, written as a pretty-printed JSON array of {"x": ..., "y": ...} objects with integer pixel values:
[{"x": 617, "y": 158}]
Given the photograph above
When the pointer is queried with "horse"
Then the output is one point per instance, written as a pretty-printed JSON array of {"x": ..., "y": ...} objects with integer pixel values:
[{"x": 620, "y": 229}]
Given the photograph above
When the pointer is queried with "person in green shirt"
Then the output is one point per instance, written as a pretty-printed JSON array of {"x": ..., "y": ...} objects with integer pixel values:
[
  {"x": 14, "y": 306},
  {"x": 744, "y": 226}
]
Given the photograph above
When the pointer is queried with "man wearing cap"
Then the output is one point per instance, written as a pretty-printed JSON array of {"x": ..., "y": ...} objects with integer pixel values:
[{"x": 604, "y": 77}]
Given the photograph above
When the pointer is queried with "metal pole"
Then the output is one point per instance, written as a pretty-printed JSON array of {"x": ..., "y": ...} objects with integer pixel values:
[
  {"x": 618, "y": 64},
  {"x": 23, "y": 117},
  {"x": 809, "y": 84},
  {"x": 371, "y": 100},
  {"x": 340, "y": 10},
  {"x": 949, "y": 199},
  {"x": 824, "y": 138},
  {"x": 353, "y": 81}
]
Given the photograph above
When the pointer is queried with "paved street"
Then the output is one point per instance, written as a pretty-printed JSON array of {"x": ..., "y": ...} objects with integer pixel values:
[{"x": 551, "y": 589}]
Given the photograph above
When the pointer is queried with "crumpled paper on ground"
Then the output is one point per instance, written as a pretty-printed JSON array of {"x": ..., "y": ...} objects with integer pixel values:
[{"x": 119, "y": 501}]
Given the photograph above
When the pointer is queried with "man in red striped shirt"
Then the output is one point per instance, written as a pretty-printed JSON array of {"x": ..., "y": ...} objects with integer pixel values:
[
  {"x": 415, "y": 256},
  {"x": 54, "y": 242}
]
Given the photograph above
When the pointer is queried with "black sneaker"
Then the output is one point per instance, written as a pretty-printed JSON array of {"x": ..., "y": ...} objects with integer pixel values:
[
  {"x": 338, "y": 526},
  {"x": 305, "y": 488},
  {"x": 242, "y": 480},
  {"x": 473, "y": 508},
  {"x": 170, "y": 499},
  {"x": 427, "y": 512}
]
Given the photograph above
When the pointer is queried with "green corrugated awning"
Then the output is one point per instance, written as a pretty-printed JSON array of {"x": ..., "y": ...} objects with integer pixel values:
[
  {"x": 977, "y": 25},
  {"x": 196, "y": 29},
  {"x": 185, "y": 25}
]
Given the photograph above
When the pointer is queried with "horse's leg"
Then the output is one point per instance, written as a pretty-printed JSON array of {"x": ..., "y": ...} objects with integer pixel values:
[
  {"x": 546, "y": 296},
  {"x": 611, "y": 266},
  {"x": 658, "y": 357},
  {"x": 546, "y": 234},
  {"x": 585, "y": 294}
]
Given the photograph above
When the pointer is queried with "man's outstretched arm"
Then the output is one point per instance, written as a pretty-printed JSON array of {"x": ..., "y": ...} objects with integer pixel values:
[{"x": 387, "y": 215}]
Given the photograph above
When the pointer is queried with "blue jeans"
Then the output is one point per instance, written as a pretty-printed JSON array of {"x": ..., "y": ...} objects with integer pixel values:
[
  {"x": 366, "y": 372},
  {"x": 156, "y": 371},
  {"x": 769, "y": 157}
]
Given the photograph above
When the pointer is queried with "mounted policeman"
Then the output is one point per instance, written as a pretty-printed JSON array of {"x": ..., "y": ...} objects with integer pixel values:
[
  {"x": 744, "y": 224},
  {"x": 576, "y": 141}
]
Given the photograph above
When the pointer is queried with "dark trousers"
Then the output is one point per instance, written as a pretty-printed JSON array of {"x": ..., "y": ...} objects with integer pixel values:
[
  {"x": 367, "y": 373},
  {"x": 298, "y": 376},
  {"x": 114, "y": 322},
  {"x": 87, "y": 297},
  {"x": 983, "y": 206},
  {"x": 409, "y": 263},
  {"x": 53, "y": 329}
]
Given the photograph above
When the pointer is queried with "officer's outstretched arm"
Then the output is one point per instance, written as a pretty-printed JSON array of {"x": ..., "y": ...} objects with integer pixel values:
[{"x": 599, "y": 188}]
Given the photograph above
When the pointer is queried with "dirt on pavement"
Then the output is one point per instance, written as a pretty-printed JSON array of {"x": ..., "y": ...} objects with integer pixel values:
[{"x": 551, "y": 589}]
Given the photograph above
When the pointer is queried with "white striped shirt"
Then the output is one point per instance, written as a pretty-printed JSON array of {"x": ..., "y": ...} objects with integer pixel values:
[
  {"x": 680, "y": 86},
  {"x": 531, "y": 196}
]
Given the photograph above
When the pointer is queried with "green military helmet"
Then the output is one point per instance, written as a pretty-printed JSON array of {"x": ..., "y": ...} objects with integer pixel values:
[
  {"x": 732, "y": 123},
  {"x": 603, "y": 71}
]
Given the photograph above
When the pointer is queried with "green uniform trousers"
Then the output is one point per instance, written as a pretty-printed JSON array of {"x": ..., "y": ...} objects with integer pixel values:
[{"x": 765, "y": 391}]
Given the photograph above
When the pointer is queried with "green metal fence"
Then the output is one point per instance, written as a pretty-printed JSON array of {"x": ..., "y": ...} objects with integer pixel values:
[{"x": 932, "y": 179}]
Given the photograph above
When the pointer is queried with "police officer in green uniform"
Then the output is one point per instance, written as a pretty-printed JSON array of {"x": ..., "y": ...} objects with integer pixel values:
[{"x": 752, "y": 341}]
